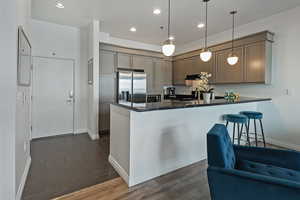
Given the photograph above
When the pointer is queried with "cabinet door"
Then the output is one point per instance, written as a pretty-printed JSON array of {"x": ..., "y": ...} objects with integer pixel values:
[
  {"x": 200, "y": 66},
  {"x": 107, "y": 62},
  {"x": 162, "y": 74},
  {"x": 124, "y": 61},
  {"x": 226, "y": 73},
  {"x": 145, "y": 63},
  {"x": 167, "y": 73},
  {"x": 106, "y": 87},
  {"x": 104, "y": 117},
  {"x": 255, "y": 64},
  {"x": 158, "y": 77},
  {"x": 179, "y": 72}
]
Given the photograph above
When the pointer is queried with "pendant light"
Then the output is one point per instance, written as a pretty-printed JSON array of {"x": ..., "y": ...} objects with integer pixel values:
[
  {"x": 168, "y": 47},
  {"x": 232, "y": 58},
  {"x": 206, "y": 54}
]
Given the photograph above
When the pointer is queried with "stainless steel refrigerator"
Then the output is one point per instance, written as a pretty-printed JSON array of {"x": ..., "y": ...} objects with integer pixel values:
[{"x": 131, "y": 86}]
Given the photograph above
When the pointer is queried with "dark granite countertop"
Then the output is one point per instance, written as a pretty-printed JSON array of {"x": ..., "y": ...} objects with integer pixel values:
[{"x": 174, "y": 104}]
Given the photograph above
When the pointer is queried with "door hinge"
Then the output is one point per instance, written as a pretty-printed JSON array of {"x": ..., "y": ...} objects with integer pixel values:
[{"x": 31, "y": 128}]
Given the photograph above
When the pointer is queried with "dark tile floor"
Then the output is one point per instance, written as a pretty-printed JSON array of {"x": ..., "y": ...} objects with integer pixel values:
[{"x": 64, "y": 164}]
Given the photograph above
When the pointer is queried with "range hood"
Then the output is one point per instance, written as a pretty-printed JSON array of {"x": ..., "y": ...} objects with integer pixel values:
[{"x": 192, "y": 77}]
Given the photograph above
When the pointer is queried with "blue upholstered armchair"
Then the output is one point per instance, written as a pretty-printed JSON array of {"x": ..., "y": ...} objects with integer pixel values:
[{"x": 248, "y": 173}]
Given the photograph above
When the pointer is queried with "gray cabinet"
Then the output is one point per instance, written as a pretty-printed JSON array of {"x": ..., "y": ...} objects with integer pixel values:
[
  {"x": 257, "y": 63},
  {"x": 179, "y": 72},
  {"x": 158, "y": 70},
  {"x": 145, "y": 63},
  {"x": 107, "y": 87},
  {"x": 226, "y": 73},
  {"x": 124, "y": 60},
  {"x": 162, "y": 74},
  {"x": 254, "y": 65},
  {"x": 189, "y": 66}
]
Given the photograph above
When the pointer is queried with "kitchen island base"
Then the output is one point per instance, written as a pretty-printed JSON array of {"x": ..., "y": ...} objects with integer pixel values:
[{"x": 145, "y": 145}]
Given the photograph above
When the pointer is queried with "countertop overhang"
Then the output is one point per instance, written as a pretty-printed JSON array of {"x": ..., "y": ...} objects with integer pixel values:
[{"x": 172, "y": 104}]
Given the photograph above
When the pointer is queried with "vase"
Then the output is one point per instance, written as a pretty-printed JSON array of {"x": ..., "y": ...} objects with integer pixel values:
[{"x": 206, "y": 97}]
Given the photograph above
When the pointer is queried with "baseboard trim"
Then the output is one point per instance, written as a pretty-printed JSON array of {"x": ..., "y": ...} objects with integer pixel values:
[
  {"x": 283, "y": 144},
  {"x": 79, "y": 131},
  {"x": 93, "y": 136},
  {"x": 23, "y": 179},
  {"x": 119, "y": 169}
]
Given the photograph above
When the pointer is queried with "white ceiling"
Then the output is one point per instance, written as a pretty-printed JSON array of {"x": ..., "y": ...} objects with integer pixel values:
[{"x": 117, "y": 16}]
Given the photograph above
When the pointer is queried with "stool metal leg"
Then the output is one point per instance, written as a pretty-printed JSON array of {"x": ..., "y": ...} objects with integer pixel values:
[
  {"x": 255, "y": 132},
  {"x": 233, "y": 136},
  {"x": 239, "y": 132},
  {"x": 247, "y": 132},
  {"x": 262, "y": 132}
]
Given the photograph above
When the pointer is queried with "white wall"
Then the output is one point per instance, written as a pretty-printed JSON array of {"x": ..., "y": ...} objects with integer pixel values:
[
  {"x": 23, "y": 111},
  {"x": 8, "y": 89},
  {"x": 64, "y": 42},
  {"x": 90, "y": 38},
  {"x": 281, "y": 118}
]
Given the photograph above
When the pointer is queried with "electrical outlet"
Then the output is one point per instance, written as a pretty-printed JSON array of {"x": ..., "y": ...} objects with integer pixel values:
[{"x": 288, "y": 92}]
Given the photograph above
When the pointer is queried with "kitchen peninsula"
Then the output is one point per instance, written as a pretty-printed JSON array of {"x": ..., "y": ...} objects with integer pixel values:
[{"x": 148, "y": 140}]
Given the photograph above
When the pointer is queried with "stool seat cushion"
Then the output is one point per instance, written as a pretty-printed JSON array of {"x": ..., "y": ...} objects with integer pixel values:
[
  {"x": 268, "y": 170},
  {"x": 252, "y": 114},
  {"x": 236, "y": 118}
]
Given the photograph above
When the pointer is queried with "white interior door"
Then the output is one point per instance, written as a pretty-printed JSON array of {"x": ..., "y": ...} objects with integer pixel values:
[{"x": 53, "y": 97}]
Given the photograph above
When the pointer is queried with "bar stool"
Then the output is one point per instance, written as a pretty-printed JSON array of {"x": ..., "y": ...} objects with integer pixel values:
[
  {"x": 241, "y": 121},
  {"x": 255, "y": 116}
]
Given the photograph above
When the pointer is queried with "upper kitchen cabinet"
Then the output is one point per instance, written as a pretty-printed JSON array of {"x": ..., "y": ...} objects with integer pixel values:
[
  {"x": 162, "y": 74},
  {"x": 179, "y": 72},
  {"x": 254, "y": 66},
  {"x": 226, "y": 73},
  {"x": 124, "y": 60},
  {"x": 189, "y": 66},
  {"x": 167, "y": 73},
  {"x": 258, "y": 62},
  {"x": 145, "y": 63},
  {"x": 201, "y": 66},
  {"x": 107, "y": 62}
]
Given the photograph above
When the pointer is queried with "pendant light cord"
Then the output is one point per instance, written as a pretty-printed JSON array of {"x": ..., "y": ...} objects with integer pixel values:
[
  {"x": 169, "y": 18},
  {"x": 233, "y": 22},
  {"x": 232, "y": 32},
  {"x": 206, "y": 9}
]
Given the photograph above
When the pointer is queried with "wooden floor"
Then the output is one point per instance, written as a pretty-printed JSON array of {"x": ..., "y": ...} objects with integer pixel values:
[
  {"x": 64, "y": 164},
  {"x": 189, "y": 183}
]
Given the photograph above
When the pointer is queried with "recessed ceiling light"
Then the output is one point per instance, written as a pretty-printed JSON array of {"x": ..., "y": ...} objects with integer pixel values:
[
  {"x": 59, "y": 5},
  {"x": 201, "y": 25},
  {"x": 171, "y": 38},
  {"x": 156, "y": 11},
  {"x": 133, "y": 29}
]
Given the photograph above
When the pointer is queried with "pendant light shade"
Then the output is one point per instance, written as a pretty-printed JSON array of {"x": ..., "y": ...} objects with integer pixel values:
[
  {"x": 168, "y": 47},
  {"x": 206, "y": 54},
  {"x": 232, "y": 58}
]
